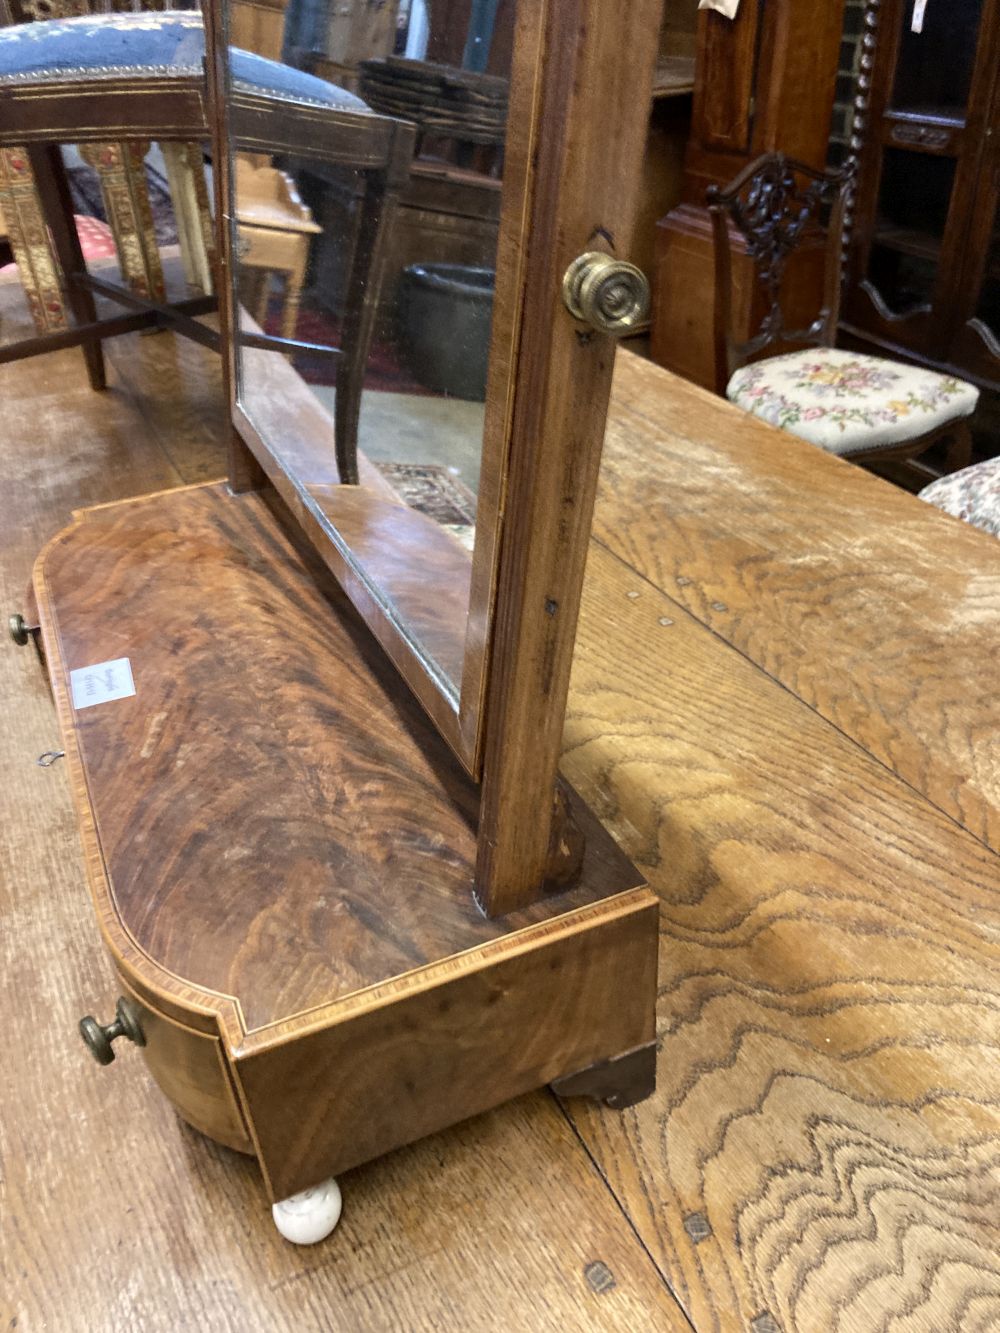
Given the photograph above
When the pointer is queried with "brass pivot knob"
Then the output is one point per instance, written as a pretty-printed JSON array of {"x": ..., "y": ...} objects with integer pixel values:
[
  {"x": 608, "y": 294},
  {"x": 17, "y": 627},
  {"x": 99, "y": 1039}
]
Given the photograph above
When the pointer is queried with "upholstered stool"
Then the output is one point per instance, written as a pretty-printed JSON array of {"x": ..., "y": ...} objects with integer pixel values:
[
  {"x": 124, "y": 78},
  {"x": 849, "y": 403},
  {"x": 972, "y": 494}
]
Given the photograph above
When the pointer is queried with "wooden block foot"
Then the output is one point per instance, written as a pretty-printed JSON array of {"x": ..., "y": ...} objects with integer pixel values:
[{"x": 619, "y": 1083}]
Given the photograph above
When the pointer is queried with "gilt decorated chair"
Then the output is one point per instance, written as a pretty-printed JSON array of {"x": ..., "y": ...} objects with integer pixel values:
[
  {"x": 121, "y": 174},
  {"x": 861, "y": 407},
  {"x": 136, "y": 77}
]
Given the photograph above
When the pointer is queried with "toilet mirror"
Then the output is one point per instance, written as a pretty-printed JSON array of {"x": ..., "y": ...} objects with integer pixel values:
[{"x": 372, "y": 343}]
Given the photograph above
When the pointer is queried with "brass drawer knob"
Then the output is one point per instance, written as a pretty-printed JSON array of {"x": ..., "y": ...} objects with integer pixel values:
[
  {"x": 17, "y": 627},
  {"x": 608, "y": 294},
  {"x": 99, "y": 1038}
]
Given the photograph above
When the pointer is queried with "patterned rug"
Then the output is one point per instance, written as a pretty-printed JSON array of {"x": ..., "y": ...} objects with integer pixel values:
[{"x": 433, "y": 490}]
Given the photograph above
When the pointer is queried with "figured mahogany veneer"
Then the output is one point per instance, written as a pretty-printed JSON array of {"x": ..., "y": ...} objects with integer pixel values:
[{"x": 281, "y": 849}]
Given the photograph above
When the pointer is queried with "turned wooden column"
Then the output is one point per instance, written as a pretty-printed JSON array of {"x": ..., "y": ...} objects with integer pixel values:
[{"x": 764, "y": 81}]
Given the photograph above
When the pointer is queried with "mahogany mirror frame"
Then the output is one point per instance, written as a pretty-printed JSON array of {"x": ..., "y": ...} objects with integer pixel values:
[{"x": 576, "y": 133}]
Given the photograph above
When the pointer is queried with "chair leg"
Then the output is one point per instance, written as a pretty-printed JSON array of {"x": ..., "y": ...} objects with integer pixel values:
[
  {"x": 186, "y": 173},
  {"x": 179, "y": 183},
  {"x": 261, "y": 295},
  {"x": 30, "y": 242},
  {"x": 206, "y": 222},
  {"x": 376, "y": 215},
  {"x": 57, "y": 206},
  {"x": 122, "y": 173},
  {"x": 959, "y": 452},
  {"x": 294, "y": 283}
]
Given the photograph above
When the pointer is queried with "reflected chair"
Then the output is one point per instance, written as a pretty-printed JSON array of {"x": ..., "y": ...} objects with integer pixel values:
[
  {"x": 780, "y": 213},
  {"x": 121, "y": 173},
  {"x": 135, "y": 77}
]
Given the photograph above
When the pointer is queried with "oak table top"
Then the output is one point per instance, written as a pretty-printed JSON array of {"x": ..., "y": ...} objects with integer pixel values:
[
  {"x": 781, "y": 707},
  {"x": 785, "y": 706}
]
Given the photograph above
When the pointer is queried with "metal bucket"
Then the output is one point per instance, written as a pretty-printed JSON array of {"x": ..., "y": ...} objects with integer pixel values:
[{"x": 445, "y": 314}]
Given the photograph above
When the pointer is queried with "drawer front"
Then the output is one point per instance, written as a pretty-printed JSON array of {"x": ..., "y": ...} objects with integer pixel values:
[
  {"x": 283, "y": 252},
  {"x": 191, "y": 1070}
]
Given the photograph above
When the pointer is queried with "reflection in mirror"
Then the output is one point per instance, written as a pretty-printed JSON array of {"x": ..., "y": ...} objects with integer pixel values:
[{"x": 365, "y": 236}]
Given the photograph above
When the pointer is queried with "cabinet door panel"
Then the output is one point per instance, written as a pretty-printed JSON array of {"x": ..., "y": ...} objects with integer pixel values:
[{"x": 937, "y": 54}]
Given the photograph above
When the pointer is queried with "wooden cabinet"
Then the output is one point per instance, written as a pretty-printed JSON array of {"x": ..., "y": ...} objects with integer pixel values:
[
  {"x": 764, "y": 81},
  {"x": 924, "y": 250},
  {"x": 258, "y": 26}
]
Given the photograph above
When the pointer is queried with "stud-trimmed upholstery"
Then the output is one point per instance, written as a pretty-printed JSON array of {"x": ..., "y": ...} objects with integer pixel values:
[{"x": 162, "y": 43}]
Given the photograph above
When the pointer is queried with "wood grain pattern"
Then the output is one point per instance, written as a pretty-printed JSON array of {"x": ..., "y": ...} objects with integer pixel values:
[
  {"x": 306, "y": 899},
  {"x": 818, "y": 1155},
  {"x": 117, "y": 1216},
  {"x": 591, "y": 134},
  {"x": 321, "y": 905},
  {"x": 190, "y": 1068},
  {"x": 508, "y": 256},
  {"x": 434, "y": 1047},
  {"x": 317, "y": 914},
  {"x": 829, "y": 579},
  {"x": 822, "y": 1151}
]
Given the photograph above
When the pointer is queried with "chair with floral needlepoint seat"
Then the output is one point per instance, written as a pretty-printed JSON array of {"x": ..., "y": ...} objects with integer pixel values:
[
  {"x": 972, "y": 495},
  {"x": 857, "y": 406}
]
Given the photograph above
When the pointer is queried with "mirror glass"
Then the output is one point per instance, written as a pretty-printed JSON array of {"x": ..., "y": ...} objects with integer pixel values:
[{"x": 365, "y": 213}]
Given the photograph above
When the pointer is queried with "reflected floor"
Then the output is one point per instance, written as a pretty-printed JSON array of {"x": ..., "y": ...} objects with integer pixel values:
[{"x": 412, "y": 428}]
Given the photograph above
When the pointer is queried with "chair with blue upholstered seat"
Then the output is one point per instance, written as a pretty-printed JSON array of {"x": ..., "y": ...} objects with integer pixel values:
[
  {"x": 121, "y": 172},
  {"x": 140, "y": 76},
  {"x": 860, "y": 407}
]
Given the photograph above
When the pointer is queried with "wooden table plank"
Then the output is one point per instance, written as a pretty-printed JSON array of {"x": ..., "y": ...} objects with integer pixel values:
[
  {"x": 823, "y": 1150},
  {"x": 878, "y": 610}
]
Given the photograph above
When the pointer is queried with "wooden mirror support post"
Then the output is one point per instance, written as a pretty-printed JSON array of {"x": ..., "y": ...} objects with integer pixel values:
[{"x": 333, "y": 932}]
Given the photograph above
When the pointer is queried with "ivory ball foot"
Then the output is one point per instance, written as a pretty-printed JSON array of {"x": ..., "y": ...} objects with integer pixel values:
[{"x": 310, "y": 1216}]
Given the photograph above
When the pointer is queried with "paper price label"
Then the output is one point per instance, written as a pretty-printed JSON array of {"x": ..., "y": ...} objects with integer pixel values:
[{"x": 101, "y": 683}]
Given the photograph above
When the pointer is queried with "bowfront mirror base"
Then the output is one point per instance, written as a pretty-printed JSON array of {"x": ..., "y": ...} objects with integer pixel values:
[{"x": 282, "y": 851}]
